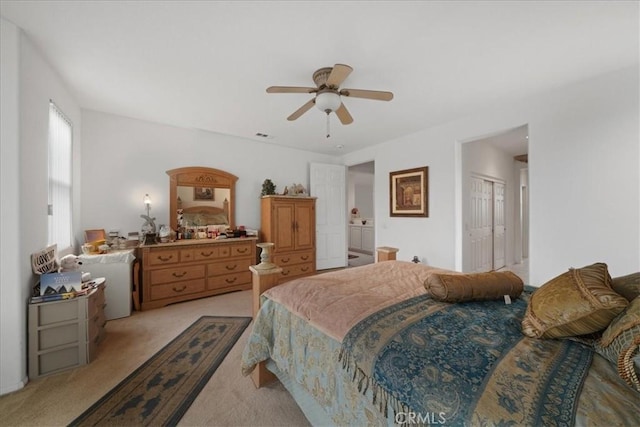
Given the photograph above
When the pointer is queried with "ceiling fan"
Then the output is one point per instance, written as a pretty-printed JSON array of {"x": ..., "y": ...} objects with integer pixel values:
[{"x": 328, "y": 96}]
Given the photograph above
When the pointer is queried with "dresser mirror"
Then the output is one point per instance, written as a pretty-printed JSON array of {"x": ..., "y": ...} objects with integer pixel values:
[{"x": 201, "y": 196}]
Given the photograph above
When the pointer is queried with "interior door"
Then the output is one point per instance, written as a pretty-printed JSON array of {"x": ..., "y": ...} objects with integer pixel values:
[
  {"x": 498, "y": 226},
  {"x": 328, "y": 185},
  {"x": 481, "y": 222}
]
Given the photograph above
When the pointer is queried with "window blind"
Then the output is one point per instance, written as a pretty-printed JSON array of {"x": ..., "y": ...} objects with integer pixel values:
[{"x": 60, "y": 178}]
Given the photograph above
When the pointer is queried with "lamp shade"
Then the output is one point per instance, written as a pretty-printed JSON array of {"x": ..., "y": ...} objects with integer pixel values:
[
  {"x": 146, "y": 200},
  {"x": 328, "y": 101}
]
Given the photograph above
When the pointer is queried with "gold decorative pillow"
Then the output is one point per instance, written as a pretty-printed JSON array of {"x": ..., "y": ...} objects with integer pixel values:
[
  {"x": 628, "y": 286},
  {"x": 577, "y": 302},
  {"x": 456, "y": 287},
  {"x": 620, "y": 343}
]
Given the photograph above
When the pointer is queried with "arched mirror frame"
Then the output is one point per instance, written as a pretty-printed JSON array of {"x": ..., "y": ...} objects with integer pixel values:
[{"x": 199, "y": 176}]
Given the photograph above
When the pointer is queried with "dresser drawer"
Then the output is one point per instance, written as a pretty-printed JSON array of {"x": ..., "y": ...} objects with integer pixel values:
[
  {"x": 171, "y": 290},
  {"x": 240, "y": 278},
  {"x": 54, "y": 337},
  {"x": 186, "y": 255},
  {"x": 66, "y": 357},
  {"x": 207, "y": 253},
  {"x": 241, "y": 250},
  {"x": 168, "y": 275},
  {"x": 293, "y": 258},
  {"x": 296, "y": 270},
  {"x": 227, "y": 267},
  {"x": 163, "y": 257}
]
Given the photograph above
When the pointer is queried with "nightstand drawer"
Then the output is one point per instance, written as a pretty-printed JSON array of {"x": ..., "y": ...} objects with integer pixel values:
[{"x": 168, "y": 275}]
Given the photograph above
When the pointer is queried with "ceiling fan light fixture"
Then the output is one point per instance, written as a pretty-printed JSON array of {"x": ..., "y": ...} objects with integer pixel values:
[{"x": 328, "y": 101}]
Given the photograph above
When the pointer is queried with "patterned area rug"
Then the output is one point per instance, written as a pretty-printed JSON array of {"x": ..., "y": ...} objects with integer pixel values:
[{"x": 161, "y": 390}]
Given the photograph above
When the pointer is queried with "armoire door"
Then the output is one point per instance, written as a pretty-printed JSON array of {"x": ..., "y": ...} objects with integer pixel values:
[
  {"x": 284, "y": 226},
  {"x": 304, "y": 225}
]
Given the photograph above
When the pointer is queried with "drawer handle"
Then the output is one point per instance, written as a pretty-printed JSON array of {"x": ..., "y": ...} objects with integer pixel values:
[
  {"x": 161, "y": 258},
  {"x": 285, "y": 272},
  {"x": 242, "y": 250},
  {"x": 304, "y": 268},
  {"x": 304, "y": 257},
  {"x": 286, "y": 260},
  {"x": 231, "y": 280},
  {"x": 179, "y": 275},
  {"x": 207, "y": 254},
  {"x": 231, "y": 267},
  {"x": 179, "y": 290}
]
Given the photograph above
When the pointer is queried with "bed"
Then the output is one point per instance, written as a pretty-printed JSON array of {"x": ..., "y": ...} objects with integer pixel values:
[{"x": 368, "y": 345}]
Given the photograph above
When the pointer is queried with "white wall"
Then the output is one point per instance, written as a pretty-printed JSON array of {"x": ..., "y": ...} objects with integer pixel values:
[
  {"x": 583, "y": 175},
  {"x": 12, "y": 352},
  {"x": 123, "y": 159},
  {"x": 26, "y": 175}
]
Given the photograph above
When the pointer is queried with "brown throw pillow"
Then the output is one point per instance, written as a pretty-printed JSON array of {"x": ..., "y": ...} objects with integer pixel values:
[
  {"x": 620, "y": 343},
  {"x": 628, "y": 286},
  {"x": 473, "y": 286},
  {"x": 577, "y": 302}
]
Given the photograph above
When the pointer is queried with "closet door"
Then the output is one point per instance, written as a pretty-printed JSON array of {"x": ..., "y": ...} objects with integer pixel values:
[
  {"x": 481, "y": 223},
  {"x": 498, "y": 226}
]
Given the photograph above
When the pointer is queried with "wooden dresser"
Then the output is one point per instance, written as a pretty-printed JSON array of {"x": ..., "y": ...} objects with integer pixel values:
[
  {"x": 195, "y": 268},
  {"x": 65, "y": 334},
  {"x": 290, "y": 223}
]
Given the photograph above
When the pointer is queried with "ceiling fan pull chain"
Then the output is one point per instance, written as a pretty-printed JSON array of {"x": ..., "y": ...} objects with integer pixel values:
[{"x": 328, "y": 129}]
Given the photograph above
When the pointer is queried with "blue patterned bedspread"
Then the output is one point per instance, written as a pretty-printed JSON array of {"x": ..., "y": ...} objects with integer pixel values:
[{"x": 463, "y": 364}]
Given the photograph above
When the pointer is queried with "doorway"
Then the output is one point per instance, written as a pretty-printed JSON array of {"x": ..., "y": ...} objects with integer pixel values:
[
  {"x": 360, "y": 211},
  {"x": 494, "y": 200}
]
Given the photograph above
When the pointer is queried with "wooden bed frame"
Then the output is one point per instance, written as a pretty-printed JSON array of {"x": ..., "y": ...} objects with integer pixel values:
[{"x": 207, "y": 211}]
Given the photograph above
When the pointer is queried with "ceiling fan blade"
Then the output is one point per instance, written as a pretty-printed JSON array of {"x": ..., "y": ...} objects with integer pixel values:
[
  {"x": 368, "y": 94},
  {"x": 343, "y": 115},
  {"x": 339, "y": 73},
  {"x": 300, "y": 111},
  {"x": 291, "y": 89}
]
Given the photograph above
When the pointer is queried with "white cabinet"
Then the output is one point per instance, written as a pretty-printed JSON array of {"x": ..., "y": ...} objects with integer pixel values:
[
  {"x": 64, "y": 334},
  {"x": 367, "y": 239},
  {"x": 361, "y": 238},
  {"x": 116, "y": 267}
]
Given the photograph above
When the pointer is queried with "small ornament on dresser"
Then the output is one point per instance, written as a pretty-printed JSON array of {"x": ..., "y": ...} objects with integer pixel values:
[{"x": 297, "y": 190}]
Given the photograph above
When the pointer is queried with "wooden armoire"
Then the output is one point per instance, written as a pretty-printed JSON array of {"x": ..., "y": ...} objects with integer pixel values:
[{"x": 289, "y": 222}]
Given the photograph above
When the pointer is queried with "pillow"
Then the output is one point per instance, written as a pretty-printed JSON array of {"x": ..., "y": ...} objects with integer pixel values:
[
  {"x": 456, "y": 287},
  {"x": 628, "y": 286},
  {"x": 577, "y": 302},
  {"x": 620, "y": 343}
]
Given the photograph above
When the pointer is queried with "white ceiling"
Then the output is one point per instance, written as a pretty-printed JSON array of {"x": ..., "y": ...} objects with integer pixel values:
[{"x": 206, "y": 65}]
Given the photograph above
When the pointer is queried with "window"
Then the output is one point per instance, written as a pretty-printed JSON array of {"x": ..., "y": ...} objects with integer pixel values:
[{"x": 60, "y": 181}]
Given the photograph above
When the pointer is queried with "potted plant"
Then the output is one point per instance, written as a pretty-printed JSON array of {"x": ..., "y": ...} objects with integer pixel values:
[{"x": 268, "y": 188}]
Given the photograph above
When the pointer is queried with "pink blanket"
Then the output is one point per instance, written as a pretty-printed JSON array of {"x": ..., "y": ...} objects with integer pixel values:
[{"x": 334, "y": 302}]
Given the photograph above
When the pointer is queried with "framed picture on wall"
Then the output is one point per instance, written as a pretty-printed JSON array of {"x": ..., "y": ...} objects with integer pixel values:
[
  {"x": 202, "y": 193},
  {"x": 409, "y": 192}
]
